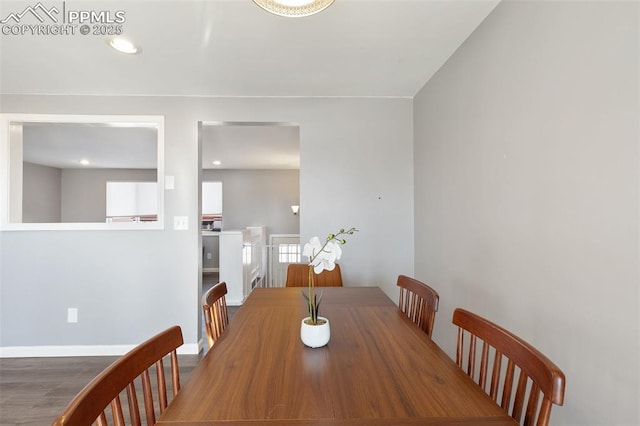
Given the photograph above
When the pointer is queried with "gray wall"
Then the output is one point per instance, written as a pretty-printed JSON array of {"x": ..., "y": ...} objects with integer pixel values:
[
  {"x": 71, "y": 195},
  {"x": 211, "y": 245},
  {"x": 355, "y": 156},
  {"x": 254, "y": 198},
  {"x": 84, "y": 191},
  {"x": 258, "y": 198},
  {"x": 41, "y": 193},
  {"x": 527, "y": 192}
]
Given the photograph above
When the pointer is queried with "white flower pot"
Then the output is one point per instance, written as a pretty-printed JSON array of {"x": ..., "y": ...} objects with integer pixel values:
[{"x": 315, "y": 336}]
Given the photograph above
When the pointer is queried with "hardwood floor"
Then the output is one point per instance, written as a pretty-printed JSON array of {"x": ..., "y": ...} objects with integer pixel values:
[{"x": 34, "y": 391}]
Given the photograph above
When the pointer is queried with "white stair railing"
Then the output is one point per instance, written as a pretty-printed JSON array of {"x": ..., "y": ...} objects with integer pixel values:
[{"x": 282, "y": 251}]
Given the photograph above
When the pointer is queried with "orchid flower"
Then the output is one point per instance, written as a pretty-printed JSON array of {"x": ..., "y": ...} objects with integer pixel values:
[{"x": 322, "y": 256}]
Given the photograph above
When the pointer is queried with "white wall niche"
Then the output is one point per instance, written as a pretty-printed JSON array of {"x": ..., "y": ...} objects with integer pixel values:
[{"x": 118, "y": 144}]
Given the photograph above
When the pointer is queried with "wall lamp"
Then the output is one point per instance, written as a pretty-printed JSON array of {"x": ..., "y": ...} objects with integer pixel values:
[{"x": 295, "y": 209}]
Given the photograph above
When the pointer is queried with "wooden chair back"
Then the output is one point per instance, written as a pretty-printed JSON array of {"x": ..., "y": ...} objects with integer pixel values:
[
  {"x": 419, "y": 302},
  {"x": 92, "y": 403},
  {"x": 216, "y": 315},
  {"x": 298, "y": 276},
  {"x": 537, "y": 376}
]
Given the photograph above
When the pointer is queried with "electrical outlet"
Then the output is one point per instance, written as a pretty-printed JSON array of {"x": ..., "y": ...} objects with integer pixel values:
[
  {"x": 209, "y": 257},
  {"x": 72, "y": 315}
]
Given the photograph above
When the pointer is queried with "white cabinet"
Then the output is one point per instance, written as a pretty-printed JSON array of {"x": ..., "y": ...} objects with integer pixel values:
[
  {"x": 132, "y": 199},
  {"x": 242, "y": 262},
  {"x": 212, "y": 198},
  {"x": 232, "y": 266}
]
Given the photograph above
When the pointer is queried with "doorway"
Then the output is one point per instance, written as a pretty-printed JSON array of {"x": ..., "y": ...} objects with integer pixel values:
[{"x": 258, "y": 167}]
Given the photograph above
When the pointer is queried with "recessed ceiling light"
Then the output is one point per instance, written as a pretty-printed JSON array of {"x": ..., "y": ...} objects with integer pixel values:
[
  {"x": 84, "y": 162},
  {"x": 217, "y": 163},
  {"x": 293, "y": 8},
  {"x": 123, "y": 45}
]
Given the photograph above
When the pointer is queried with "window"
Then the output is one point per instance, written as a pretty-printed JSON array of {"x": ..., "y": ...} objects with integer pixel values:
[
  {"x": 289, "y": 253},
  {"x": 246, "y": 254}
]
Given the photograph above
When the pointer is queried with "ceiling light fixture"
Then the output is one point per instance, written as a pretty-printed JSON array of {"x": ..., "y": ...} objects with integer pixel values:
[
  {"x": 217, "y": 163},
  {"x": 293, "y": 8},
  {"x": 123, "y": 45},
  {"x": 84, "y": 162}
]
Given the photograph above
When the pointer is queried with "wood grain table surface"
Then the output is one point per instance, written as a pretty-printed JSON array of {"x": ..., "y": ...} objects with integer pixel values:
[{"x": 378, "y": 369}]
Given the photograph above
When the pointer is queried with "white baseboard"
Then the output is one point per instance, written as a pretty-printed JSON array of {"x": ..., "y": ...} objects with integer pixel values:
[
  {"x": 235, "y": 302},
  {"x": 82, "y": 350},
  {"x": 190, "y": 348}
]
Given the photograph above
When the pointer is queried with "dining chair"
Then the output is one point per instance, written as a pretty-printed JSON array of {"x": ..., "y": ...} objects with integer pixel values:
[
  {"x": 216, "y": 315},
  {"x": 538, "y": 376},
  {"x": 298, "y": 276},
  {"x": 419, "y": 302},
  {"x": 91, "y": 403}
]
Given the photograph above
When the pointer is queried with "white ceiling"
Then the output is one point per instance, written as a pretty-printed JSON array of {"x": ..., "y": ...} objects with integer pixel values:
[
  {"x": 236, "y": 145},
  {"x": 251, "y": 146},
  {"x": 234, "y": 48},
  {"x": 63, "y": 145},
  {"x": 371, "y": 48}
]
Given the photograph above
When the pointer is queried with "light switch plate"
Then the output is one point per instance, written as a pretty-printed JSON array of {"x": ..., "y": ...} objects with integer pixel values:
[
  {"x": 72, "y": 315},
  {"x": 180, "y": 223},
  {"x": 169, "y": 182}
]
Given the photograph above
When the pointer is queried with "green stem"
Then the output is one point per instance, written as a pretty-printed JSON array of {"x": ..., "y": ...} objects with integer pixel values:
[{"x": 313, "y": 310}]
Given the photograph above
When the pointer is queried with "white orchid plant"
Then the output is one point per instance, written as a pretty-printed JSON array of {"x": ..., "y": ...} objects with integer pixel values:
[{"x": 322, "y": 256}]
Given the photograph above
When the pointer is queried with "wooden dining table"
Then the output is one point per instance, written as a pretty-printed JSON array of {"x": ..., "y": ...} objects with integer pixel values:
[{"x": 379, "y": 368}]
